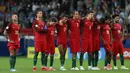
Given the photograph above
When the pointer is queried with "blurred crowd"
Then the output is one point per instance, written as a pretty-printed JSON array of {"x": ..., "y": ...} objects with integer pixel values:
[{"x": 54, "y": 8}]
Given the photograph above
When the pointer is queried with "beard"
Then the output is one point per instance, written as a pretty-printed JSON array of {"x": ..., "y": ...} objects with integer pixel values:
[
  {"x": 117, "y": 21},
  {"x": 64, "y": 22},
  {"x": 40, "y": 17},
  {"x": 76, "y": 17},
  {"x": 15, "y": 20}
]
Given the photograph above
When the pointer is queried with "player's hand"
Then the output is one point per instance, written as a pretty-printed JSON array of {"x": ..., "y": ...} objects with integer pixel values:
[
  {"x": 10, "y": 41},
  {"x": 56, "y": 31},
  {"x": 60, "y": 22},
  {"x": 69, "y": 31},
  {"x": 111, "y": 41},
  {"x": 19, "y": 39},
  {"x": 36, "y": 26},
  {"x": 122, "y": 39}
]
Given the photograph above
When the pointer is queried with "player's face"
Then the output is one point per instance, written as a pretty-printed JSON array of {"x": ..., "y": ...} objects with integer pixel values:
[
  {"x": 15, "y": 18},
  {"x": 64, "y": 19},
  {"x": 108, "y": 21},
  {"x": 76, "y": 15},
  {"x": 39, "y": 14},
  {"x": 116, "y": 19},
  {"x": 91, "y": 15}
]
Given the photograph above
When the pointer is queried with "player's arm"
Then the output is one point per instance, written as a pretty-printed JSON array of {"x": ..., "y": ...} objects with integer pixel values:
[
  {"x": 103, "y": 41},
  {"x": 20, "y": 32},
  {"x": 122, "y": 34},
  {"x": 56, "y": 28},
  {"x": 39, "y": 29},
  {"x": 6, "y": 31},
  {"x": 55, "y": 32},
  {"x": 60, "y": 23},
  {"x": 48, "y": 24},
  {"x": 6, "y": 34}
]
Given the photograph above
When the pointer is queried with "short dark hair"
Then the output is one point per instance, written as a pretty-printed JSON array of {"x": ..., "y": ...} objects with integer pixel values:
[
  {"x": 14, "y": 14},
  {"x": 38, "y": 10},
  {"x": 63, "y": 15},
  {"x": 102, "y": 20},
  {"x": 88, "y": 12},
  {"x": 115, "y": 15},
  {"x": 107, "y": 17},
  {"x": 74, "y": 12},
  {"x": 53, "y": 19}
]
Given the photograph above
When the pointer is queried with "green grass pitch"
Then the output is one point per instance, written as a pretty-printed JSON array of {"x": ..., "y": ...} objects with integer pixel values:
[{"x": 24, "y": 65}]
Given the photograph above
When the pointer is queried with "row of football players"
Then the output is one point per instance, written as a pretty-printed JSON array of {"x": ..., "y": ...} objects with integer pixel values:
[{"x": 88, "y": 31}]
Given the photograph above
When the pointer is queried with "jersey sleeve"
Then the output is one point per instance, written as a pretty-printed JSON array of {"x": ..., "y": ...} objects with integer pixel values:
[{"x": 8, "y": 27}]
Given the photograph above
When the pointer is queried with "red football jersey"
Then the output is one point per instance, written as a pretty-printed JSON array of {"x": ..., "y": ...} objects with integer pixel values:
[
  {"x": 105, "y": 31},
  {"x": 50, "y": 34},
  {"x": 62, "y": 33},
  {"x": 14, "y": 30},
  {"x": 116, "y": 30},
  {"x": 74, "y": 26},
  {"x": 87, "y": 29},
  {"x": 38, "y": 28},
  {"x": 96, "y": 30}
]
